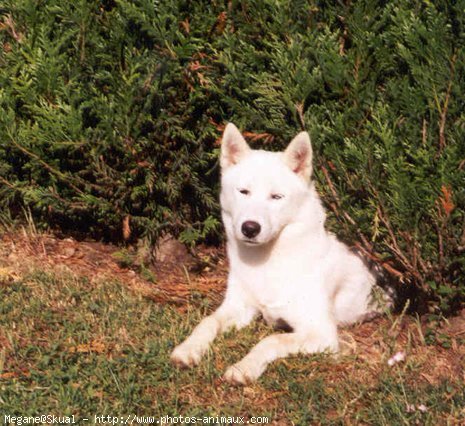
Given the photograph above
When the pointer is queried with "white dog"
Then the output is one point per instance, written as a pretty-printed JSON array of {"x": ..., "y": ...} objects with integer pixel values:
[{"x": 284, "y": 265}]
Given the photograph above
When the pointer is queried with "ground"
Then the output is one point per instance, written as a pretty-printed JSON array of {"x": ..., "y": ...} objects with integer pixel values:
[{"x": 87, "y": 328}]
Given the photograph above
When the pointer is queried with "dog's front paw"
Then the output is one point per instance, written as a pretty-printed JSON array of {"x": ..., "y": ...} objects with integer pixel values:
[
  {"x": 186, "y": 355},
  {"x": 241, "y": 374}
]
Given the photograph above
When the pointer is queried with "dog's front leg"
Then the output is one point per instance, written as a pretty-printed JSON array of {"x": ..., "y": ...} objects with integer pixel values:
[
  {"x": 277, "y": 346},
  {"x": 232, "y": 313}
]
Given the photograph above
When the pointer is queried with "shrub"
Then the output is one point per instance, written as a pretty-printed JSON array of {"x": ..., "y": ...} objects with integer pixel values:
[{"x": 112, "y": 110}]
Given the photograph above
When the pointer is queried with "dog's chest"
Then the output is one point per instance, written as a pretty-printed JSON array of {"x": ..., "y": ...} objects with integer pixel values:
[
  {"x": 273, "y": 297},
  {"x": 285, "y": 297}
]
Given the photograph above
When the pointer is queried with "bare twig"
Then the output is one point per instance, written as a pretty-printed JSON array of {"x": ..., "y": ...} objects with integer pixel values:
[
  {"x": 5, "y": 182},
  {"x": 385, "y": 265},
  {"x": 343, "y": 37},
  {"x": 440, "y": 247},
  {"x": 300, "y": 113},
  {"x": 445, "y": 107},
  {"x": 346, "y": 215},
  {"x": 394, "y": 246},
  {"x": 424, "y": 132},
  {"x": 9, "y": 24}
]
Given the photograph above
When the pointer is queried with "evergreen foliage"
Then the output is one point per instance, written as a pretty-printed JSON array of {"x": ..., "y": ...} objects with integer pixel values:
[{"x": 111, "y": 111}]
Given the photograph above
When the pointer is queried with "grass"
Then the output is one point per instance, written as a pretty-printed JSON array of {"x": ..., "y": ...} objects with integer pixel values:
[{"x": 72, "y": 346}]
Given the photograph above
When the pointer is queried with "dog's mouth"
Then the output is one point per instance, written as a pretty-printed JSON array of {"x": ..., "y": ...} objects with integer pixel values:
[{"x": 251, "y": 242}]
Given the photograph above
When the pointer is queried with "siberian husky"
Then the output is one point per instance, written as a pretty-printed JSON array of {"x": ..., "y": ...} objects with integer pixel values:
[{"x": 284, "y": 265}]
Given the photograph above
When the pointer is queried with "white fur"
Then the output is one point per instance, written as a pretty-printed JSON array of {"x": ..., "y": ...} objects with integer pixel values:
[{"x": 292, "y": 270}]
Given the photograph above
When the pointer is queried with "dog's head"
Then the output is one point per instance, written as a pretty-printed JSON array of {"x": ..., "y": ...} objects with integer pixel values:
[{"x": 261, "y": 191}]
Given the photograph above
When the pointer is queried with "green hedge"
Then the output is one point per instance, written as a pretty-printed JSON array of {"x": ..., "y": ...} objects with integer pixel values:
[{"x": 111, "y": 112}]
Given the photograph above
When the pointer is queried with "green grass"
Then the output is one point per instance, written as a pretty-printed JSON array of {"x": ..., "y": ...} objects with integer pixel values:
[{"x": 71, "y": 346}]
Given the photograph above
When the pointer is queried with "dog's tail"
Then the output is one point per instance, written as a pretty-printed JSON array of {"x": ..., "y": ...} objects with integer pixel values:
[{"x": 384, "y": 296}]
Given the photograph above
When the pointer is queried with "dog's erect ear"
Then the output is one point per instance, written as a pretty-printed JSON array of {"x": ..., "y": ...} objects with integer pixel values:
[
  {"x": 233, "y": 146},
  {"x": 298, "y": 155}
]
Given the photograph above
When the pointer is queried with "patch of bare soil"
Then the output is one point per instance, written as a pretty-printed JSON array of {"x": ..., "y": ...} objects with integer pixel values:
[
  {"x": 174, "y": 281},
  {"x": 386, "y": 342}
]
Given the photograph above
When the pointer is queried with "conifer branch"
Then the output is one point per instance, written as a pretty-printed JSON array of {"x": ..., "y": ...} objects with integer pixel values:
[{"x": 47, "y": 166}]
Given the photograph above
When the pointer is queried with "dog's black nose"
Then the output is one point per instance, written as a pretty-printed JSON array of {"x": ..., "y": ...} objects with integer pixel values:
[{"x": 250, "y": 228}]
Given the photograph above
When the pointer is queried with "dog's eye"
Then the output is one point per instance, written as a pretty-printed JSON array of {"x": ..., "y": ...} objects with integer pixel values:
[
  {"x": 244, "y": 191},
  {"x": 277, "y": 196}
]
